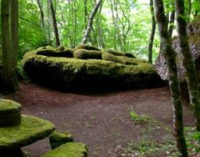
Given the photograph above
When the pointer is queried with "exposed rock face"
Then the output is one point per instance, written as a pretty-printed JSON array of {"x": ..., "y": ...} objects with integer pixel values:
[
  {"x": 89, "y": 70},
  {"x": 194, "y": 43}
]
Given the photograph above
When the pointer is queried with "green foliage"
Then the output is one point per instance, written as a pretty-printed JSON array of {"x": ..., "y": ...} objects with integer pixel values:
[
  {"x": 31, "y": 36},
  {"x": 139, "y": 119}
]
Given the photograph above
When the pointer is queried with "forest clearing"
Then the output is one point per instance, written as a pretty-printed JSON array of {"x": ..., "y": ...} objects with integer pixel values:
[{"x": 84, "y": 78}]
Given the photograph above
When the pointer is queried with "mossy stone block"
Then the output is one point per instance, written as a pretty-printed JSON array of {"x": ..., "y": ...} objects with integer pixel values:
[
  {"x": 59, "y": 52},
  {"x": 9, "y": 113},
  {"x": 29, "y": 131},
  {"x": 122, "y": 59},
  {"x": 87, "y": 54},
  {"x": 118, "y": 53},
  {"x": 87, "y": 47},
  {"x": 68, "y": 150},
  {"x": 58, "y": 138}
]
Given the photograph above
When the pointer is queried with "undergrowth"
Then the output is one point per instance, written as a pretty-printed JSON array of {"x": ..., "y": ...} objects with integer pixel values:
[{"x": 167, "y": 147}]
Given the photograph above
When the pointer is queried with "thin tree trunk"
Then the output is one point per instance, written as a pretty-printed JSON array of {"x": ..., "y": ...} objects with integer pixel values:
[
  {"x": 48, "y": 26},
  {"x": 189, "y": 9},
  {"x": 153, "y": 30},
  {"x": 53, "y": 13},
  {"x": 41, "y": 13},
  {"x": 115, "y": 25},
  {"x": 171, "y": 23},
  {"x": 90, "y": 22},
  {"x": 173, "y": 77},
  {"x": 188, "y": 63},
  {"x": 86, "y": 13}
]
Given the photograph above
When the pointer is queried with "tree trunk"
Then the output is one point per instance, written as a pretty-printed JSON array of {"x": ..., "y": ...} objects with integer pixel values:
[
  {"x": 153, "y": 30},
  {"x": 41, "y": 13},
  {"x": 55, "y": 27},
  {"x": 9, "y": 44},
  {"x": 188, "y": 63},
  {"x": 169, "y": 54},
  {"x": 171, "y": 23},
  {"x": 90, "y": 22},
  {"x": 14, "y": 37}
]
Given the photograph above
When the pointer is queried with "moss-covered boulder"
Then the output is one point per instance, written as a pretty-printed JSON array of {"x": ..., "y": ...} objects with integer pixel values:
[
  {"x": 30, "y": 130},
  {"x": 68, "y": 150},
  {"x": 193, "y": 30},
  {"x": 9, "y": 113},
  {"x": 59, "y": 138},
  {"x": 91, "y": 74},
  {"x": 87, "y": 54}
]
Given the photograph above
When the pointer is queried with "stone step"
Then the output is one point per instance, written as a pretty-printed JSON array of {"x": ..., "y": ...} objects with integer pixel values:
[
  {"x": 57, "y": 139},
  {"x": 9, "y": 113},
  {"x": 71, "y": 149}
]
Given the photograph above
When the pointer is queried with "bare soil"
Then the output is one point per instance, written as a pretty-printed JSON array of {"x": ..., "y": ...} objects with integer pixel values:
[{"x": 101, "y": 121}]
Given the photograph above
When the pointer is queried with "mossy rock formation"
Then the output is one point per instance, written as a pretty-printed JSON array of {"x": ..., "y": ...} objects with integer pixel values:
[
  {"x": 68, "y": 150},
  {"x": 9, "y": 113},
  {"x": 90, "y": 73}
]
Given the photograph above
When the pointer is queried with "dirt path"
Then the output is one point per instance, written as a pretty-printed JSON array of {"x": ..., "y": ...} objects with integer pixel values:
[{"x": 100, "y": 121}]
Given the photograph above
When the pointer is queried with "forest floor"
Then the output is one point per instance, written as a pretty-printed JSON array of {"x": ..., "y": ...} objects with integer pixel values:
[{"x": 108, "y": 123}]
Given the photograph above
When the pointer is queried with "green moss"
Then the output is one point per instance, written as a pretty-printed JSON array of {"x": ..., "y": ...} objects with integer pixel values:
[
  {"x": 58, "y": 138},
  {"x": 30, "y": 130},
  {"x": 68, "y": 150},
  {"x": 87, "y": 54},
  {"x": 122, "y": 59},
  {"x": 9, "y": 106},
  {"x": 92, "y": 74},
  {"x": 87, "y": 47}
]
